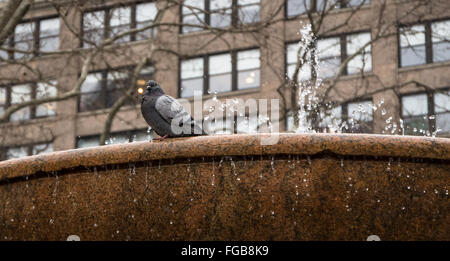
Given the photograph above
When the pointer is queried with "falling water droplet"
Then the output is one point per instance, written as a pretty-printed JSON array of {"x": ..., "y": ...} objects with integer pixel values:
[
  {"x": 73, "y": 238},
  {"x": 373, "y": 238}
]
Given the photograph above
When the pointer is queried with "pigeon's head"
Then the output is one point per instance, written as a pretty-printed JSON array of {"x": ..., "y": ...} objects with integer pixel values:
[{"x": 153, "y": 88}]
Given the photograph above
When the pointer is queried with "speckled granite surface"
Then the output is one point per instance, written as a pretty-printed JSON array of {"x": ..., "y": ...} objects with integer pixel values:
[{"x": 306, "y": 187}]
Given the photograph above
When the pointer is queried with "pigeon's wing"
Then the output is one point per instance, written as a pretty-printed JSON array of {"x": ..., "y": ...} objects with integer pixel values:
[{"x": 169, "y": 109}]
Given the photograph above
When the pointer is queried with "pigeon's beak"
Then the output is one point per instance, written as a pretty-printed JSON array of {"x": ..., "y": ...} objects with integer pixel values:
[{"x": 140, "y": 90}]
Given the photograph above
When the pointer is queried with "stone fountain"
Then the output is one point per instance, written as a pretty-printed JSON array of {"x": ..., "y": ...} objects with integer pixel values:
[{"x": 230, "y": 187}]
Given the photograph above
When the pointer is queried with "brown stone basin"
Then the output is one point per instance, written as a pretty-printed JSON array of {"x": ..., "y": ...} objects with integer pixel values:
[{"x": 230, "y": 187}]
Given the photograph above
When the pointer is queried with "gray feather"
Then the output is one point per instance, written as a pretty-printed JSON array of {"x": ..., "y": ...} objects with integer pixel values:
[{"x": 170, "y": 109}]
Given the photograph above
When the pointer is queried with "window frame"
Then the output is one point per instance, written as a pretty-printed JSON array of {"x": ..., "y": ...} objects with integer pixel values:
[
  {"x": 33, "y": 94},
  {"x": 345, "y": 114},
  {"x": 234, "y": 16},
  {"x": 313, "y": 8},
  {"x": 431, "y": 121},
  {"x": 344, "y": 117},
  {"x": 428, "y": 42},
  {"x": 206, "y": 75},
  {"x": 104, "y": 84},
  {"x": 10, "y": 41},
  {"x": 234, "y": 122},
  {"x": 107, "y": 11},
  {"x": 343, "y": 47}
]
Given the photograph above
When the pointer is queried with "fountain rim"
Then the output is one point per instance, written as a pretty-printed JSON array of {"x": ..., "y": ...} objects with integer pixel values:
[{"x": 231, "y": 145}]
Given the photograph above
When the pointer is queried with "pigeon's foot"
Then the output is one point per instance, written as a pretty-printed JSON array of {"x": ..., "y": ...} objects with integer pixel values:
[{"x": 161, "y": 138}]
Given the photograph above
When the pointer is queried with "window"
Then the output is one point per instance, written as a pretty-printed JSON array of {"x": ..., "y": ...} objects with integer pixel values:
[
  {"x": 102, "y": 24},
  {"x": 191, "y": 77},
  {"x": 415, "y": 113},
  {"x": 87, "y": 142},
  {"x": 329, "y": 52},
  {"x": 92, "y": 97},
  {"x": 359, "y": 117},
  {"x": 19, "y": 94},
  {"x": 45, "y": 90},
  {"x": 298, "y": 7},
  {"x": 352, "y": 117},
  {"x": 363, "y": 60},
  {"x": 195, "y": 14},
  {"x": 4, "y": 55},
  {"x": 49, "y": 35},
  {"x": 220, "y": 126},
  {"x": 31, "y": 37},
  {"x": 28, "y": 150},
  {"x": 102, "y": 89},
  {"x": 114, "y": 138},
  {"x": 304, "y": 72},
  {"x": 24, "y": 39},
  {"x": 331, "y": 119},
  {"x": 442, "y": 111},
  {"x": 233, "y": 124},
  {"x": 145, "y": 15},
  {"x": 3, "y": 101},
  {"x": 332, "y": 52},
  {"x": 423, "y": 113},
  {"x": 120, "y": 22},
  {"x": 221, "y": 11},
  {"x": 248, "y": 64},
  {"x": 248, "y": 11},
  {"x": 220, "y": 73},
  {"x": 440, "y": 32},
  {"x": 412, "y": 45},
  {"x": 424, "y": 43},
  {"x": 145, "y": 75},
  {"x": 16, "y": 94},
  {"x": 237, "y": 70},
  {"x": 93, "y": 28}
]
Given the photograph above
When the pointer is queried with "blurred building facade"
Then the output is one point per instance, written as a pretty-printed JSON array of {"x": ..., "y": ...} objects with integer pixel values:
[{"x": 223, "y": 64}]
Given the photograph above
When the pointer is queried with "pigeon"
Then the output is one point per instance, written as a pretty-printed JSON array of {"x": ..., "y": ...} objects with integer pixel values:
[{"x": 165, "y": 115}]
